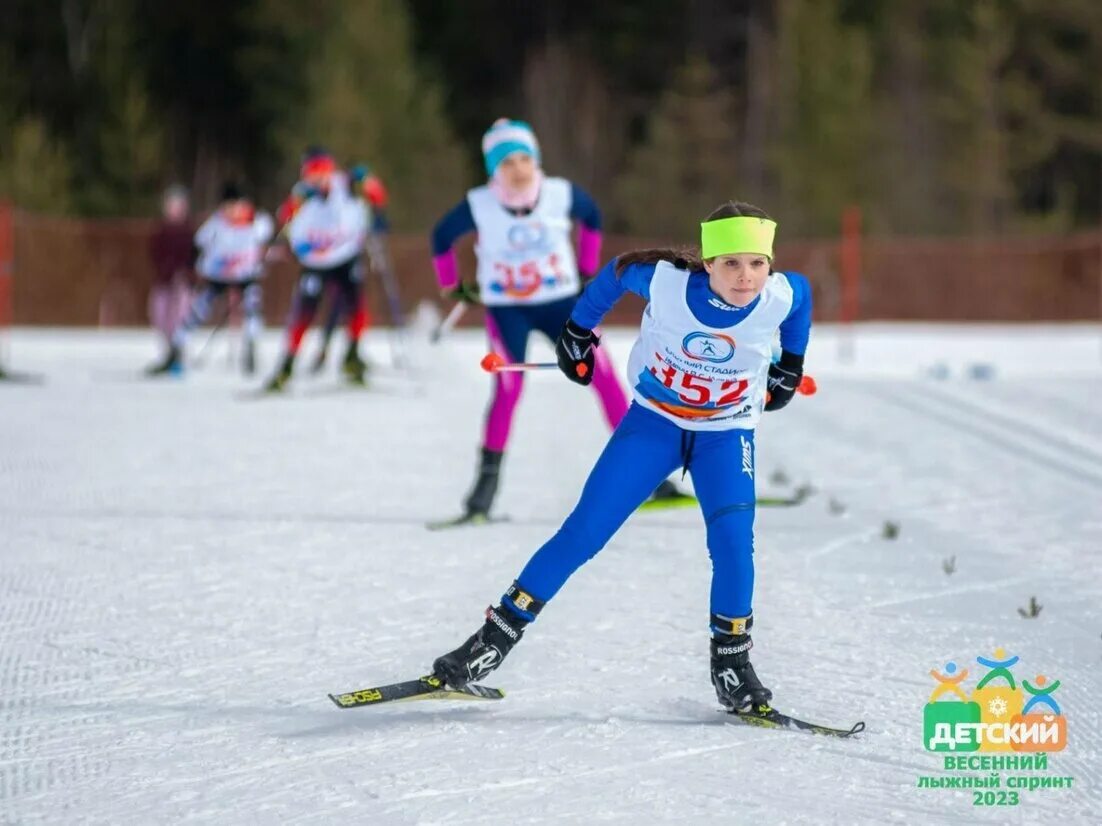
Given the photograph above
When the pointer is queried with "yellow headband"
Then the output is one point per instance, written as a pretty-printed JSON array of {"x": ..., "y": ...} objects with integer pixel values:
[{"x": 728, "y": 236}]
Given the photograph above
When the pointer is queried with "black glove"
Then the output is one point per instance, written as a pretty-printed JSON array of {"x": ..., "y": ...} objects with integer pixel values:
[
  {"x": 574, "y": 349},
  {"x": 463, "y": 292},
  {"x": 784, "y": 378}
]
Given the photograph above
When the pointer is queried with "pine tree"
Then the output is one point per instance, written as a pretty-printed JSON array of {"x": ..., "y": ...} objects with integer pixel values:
[
  {"x": 117, "y": 138},
  {"x": 968, "y": 55},
  {"x": 904, "y": 189},
  {"x": 35, "y": 172},
  {"x": 577, "y": 119},
  {"x": 1052, "y": 100},
  {"x": 687, "y": 165},
  {"x": 819, "y": 156},
  {"x": 279, "y": 42},
  {"x": 131, "y": 155},
  {"x": 366, "y": 101},
  {"x": 981, "y": 107}
]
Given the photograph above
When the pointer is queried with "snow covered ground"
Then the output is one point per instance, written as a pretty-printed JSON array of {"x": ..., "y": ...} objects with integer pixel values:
[{"x": 186, "y": 571}]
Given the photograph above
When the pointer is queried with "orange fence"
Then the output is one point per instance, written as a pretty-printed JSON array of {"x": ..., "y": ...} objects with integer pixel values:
[{"x": 97, "y": 272}]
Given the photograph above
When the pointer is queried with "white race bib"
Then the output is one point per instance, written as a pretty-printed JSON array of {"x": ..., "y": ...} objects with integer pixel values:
[
  {"x": 700, "y": 377},
  {"x": 331, "y": 230},
  {"x": 529, "y": 259},
  {"x": 232, "y": 252}
]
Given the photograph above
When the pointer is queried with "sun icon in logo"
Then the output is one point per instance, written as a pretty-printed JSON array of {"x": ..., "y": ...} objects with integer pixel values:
[{"x": 997, "y": 707}]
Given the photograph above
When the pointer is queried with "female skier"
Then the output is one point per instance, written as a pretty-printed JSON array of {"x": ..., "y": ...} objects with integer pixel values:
[
  {"x": 231, "y": 246},
  {"x": 327, "y": 233},
  {"x": 702, "y": 374},
  {"x": 528, "y": 279},
  {"x": 172, "y": 253}
]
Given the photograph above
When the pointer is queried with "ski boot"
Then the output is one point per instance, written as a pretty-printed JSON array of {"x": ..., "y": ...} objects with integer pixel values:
[
  {"x": 354, "y": 367},
  {"x": 248, "y": 362},
  {"x": 482, "y": 494},
  {"x": 737, "y": 686},
  {"x": 485, "y": 650},
  {"x": 279, "y": 381},
  {"x": 170, "y": 365}
]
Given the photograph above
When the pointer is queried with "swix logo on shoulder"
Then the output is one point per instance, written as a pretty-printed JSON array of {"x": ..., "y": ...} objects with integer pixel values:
[{"x": 714, "y": 347}]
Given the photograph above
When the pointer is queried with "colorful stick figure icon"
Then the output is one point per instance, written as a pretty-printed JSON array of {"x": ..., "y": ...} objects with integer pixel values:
[
  {"x": 1041, "y": 694},
  {"x": 1000, "y": 667},
  {"x": 948, "y": 684}
]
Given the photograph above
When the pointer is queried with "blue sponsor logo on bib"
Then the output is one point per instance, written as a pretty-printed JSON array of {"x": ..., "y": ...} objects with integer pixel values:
[
  {"x": 712, "y": 347},
  {"x": 531, "y": 235}
]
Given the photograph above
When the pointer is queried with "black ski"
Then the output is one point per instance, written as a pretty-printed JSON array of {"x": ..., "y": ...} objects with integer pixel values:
[
  {"x": 466, "y": 520},
  {"x": 767, "y": 717},
  {"x": 424, "y": 688}
]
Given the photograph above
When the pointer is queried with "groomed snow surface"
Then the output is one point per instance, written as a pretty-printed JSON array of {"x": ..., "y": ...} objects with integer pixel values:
[{"x": 186, "y": 571}]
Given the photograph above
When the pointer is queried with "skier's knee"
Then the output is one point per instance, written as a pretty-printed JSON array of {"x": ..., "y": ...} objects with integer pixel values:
[
  {"x": 731, "y": 532},
  {"x": 508, "y": 389},
  {"x": 304, "y": 310},
  {"x": 584, "y": 533},
  {"x": 251, "y": 299}
]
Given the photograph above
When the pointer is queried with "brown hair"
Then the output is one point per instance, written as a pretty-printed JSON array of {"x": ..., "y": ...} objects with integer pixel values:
[{"x": 688, "y": 258}]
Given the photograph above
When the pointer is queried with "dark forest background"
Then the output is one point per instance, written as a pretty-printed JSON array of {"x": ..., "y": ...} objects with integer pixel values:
[{"x": 953, "y": 117}]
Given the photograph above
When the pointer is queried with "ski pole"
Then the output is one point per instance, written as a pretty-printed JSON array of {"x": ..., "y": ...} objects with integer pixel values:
[
  {"x": 448, "y": 324},
  {"x": 380, "y": 266},
  {"x": 384, "y": 275},
  {"x": 198, "y": 362},
  {"x": 495, "y": 363},
  {"x": 397, "y": 336}
]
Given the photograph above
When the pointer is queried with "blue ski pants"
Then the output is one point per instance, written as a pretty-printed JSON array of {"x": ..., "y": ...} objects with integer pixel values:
[{"x": 644, "y": 449}]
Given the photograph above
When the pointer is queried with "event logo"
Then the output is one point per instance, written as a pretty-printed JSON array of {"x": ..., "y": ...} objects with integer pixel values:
[
  {"x": 714, "y": 347},
  {"x": 996, "y": 716},
  {"x": 530, "y": 235},
  {"x": 1019, "y": 720}
]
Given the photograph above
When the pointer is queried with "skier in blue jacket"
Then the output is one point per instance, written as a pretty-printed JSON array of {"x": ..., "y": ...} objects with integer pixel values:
[{"x": 702, "y": 374}]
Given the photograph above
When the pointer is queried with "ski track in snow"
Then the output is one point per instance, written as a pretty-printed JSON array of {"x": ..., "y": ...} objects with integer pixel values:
[{"x": 186, "y": 570}]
